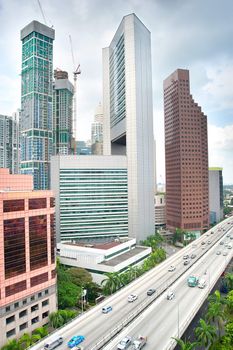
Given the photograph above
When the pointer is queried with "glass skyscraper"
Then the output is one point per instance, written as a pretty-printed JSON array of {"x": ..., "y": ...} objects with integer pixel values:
[{"x": 36, "y": 102}]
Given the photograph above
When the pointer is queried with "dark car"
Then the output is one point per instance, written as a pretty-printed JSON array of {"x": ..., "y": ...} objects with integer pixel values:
[
  {"x": 202, "y": 243},
  {"x": 186, "y": 262},
  {"x": 193, "y": 256},
  {"x": 150, "y": 291}
]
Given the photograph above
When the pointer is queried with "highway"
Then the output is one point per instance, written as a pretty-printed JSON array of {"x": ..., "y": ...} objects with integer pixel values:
[{"x": 160, "y": 319}]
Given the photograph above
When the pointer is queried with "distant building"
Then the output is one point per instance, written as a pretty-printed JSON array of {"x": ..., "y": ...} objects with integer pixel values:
[
  {"x": 160, "y": 211},
  {"x": 186, "y": 152},
  {"x": 63, "y": 92},
  {"x": 215, "y": 195},
  {"x": 82, "y": 148},
  {"x": 9, "y": 143},
  {"x": 27, "y": 249},
  {"x": 91, "y": 197},
  {"x": 101, "y": 257},
  {"x": 128, "y": 117},
  {"x": 97, "y": 132},
  {"x": 36, "y": 125}
]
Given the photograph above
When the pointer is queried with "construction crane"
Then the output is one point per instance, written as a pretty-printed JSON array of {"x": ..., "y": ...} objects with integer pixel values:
[
  {"x": 42, "y": 12},
  {"x": 76, "y": 72}
]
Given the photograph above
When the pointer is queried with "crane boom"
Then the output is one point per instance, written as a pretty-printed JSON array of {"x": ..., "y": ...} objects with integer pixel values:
[{"x": 42, "y": 12}]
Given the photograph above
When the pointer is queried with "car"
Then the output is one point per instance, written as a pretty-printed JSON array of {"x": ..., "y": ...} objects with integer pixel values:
[
  {"x": 212, "y": 232},
  {"x": 193, "y": 256},
  {"x": 221, "y": 243},
  {"x": 218, "y": 252},
  {"x": 76, "y": 340},
  {"x": 124, "y": 343},
  {"x": 207, "y": 235},
  {"x": 231, "y": 237},
  {"x": 208, "y": 242},
  {"x": 226, "y": 244},
  {"x": 170, "y": 295},
  {"x": 78, "y": 348},
  {"x": 224, "y": 253},
  {"x": 228, "y": 235},
  {"x": 186, "y": 262},
  {"x": 151, "y": 291},
  {"x": 202, "y": 243},
  {"x": 185, "y": 256},
  {"x": 171, "y": 268},
  {"x": 106, "y": 309},
  {"x": 132, "y": 297}
]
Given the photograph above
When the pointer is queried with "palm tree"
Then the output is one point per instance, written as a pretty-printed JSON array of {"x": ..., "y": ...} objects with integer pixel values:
[
  {"x": 216, "y": 298},
  {"x": 12, "y": 345},
  {"x": 27, "y": 340},
  {"x": 215, "y": 314},
  {"x": 112, "y": 283},
  {"x": 205, "y": 333},
  {"x": 186, "y": 345}
]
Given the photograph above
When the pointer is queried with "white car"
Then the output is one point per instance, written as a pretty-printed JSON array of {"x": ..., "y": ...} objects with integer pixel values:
[
  {"x": 171, "y": 268},
  {"x": 170, "y": 295},
  {"x": 124, "y": 343},
  {"x": 132, "y": 297}
]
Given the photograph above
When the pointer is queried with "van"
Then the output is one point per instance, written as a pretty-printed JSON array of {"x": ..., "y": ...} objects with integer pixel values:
[
  {"x": 53, "y": 342},
  {"x": 202, "y": 283}
]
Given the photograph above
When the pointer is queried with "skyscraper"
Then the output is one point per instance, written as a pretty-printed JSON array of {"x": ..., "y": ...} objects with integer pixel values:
[
  {"x": 186, "y": 151},
  {"x": 128, "y": 117},
  {"x": 9, "y": 143},
  {"x": 63, "y": 92},
  {"x": 215, "y": 194},
  {"x": 97, "y": 131},
  {"x": 36, "y": 102}
]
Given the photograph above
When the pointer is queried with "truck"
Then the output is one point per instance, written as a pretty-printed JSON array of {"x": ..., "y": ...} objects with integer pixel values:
[
  {"x": 192, "y": 281},
  {"x": 139, "y": 343}
]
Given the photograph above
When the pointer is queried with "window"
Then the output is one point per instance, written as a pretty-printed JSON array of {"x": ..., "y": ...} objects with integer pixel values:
[
  {"x": 38, "y": 241},
  {"x": 39, "y": 295},
  {"x": 39, "y": 279},
  {"x": 8, "y": 308},
  {"x": 45, "y": 314},
  {"x": 46, "y": 291},
  {"x": 10, "y": 319},
  {"x": 23, "y": 313},
  {"x": 37, "y": 203},
  {"x": 13, "y": 205},
  {"x": 33, "y": 298},
  {"x": 16, "y": 305},
  {"x": 45, "y": 302},
  {"x": 34, "y": 307},
  {"x": 23, "y": 326},
  {"x": 10, "y": 333},
  {"x": 35, "y": 320},
  {"x": 15, "y": 288},
  {"x": 24, "y": 301}
]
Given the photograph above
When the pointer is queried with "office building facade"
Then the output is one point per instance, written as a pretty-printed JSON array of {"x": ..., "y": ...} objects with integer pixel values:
[
  {"x": 36, "y": 136},
  {"x": 91, "y": 197},
  {"x": 27, "y": 250},
  {"x": 9, "y": 143},
  {"x": 186, "y": 153},
  {"x": 160, "y": 211},
  {"x": 128, "y": 117},
  {"x": 63, "y": 92},
  {"x": 215, "y": 195}
]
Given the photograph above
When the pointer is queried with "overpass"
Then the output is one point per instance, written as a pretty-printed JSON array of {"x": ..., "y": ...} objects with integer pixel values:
[{"x": 155, "y": 316}]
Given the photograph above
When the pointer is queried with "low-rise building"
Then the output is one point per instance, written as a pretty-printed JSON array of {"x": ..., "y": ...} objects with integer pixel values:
[
  {"x": 27, "y": 251},
  {"x": 101, "y": 257},
  {"x": 160, "y": 211}
]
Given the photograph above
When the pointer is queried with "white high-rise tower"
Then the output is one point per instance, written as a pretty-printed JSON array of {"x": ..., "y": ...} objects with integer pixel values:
[{"x": 128, "y": 117}]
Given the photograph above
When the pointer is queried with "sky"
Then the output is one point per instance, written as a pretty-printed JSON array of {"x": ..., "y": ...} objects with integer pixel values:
[{"x": 190, "y": 34}]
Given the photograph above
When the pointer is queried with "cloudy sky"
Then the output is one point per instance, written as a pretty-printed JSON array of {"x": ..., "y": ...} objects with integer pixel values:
[{"x": 191, "y": 34}]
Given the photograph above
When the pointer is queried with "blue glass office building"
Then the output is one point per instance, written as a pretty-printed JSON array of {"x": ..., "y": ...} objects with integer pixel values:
[{"x": 36, "y": 102}]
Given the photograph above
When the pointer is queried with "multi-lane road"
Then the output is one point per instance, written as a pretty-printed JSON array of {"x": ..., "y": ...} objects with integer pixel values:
[{"x": 155, "y": 316}]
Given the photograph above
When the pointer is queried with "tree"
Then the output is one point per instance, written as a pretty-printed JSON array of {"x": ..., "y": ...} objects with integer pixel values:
[
  {"x": 153, "y": 241},
  {"x": 68, "y": 294},
  {"x": 79, "y": 276},
  {"x": 216, "y": 298},
  {"x": 41, "y": 331},
  {"x": 55, "y": 319},
  {"x": 216, "y": 314},
  {"x": 178, "y": 235},
  {"x": 27, "y": 340},
  {"x": 93, "y": 291},
  {"x": 12, "y": 345},
  {"x": 186, "y": 345},
  {"x": 205, "y": 333},
  {"x": 229, "y": 280}
]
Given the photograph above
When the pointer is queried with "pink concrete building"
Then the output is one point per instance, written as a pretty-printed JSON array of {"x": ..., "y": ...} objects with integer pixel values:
[{"x": 27, "y": 256}]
